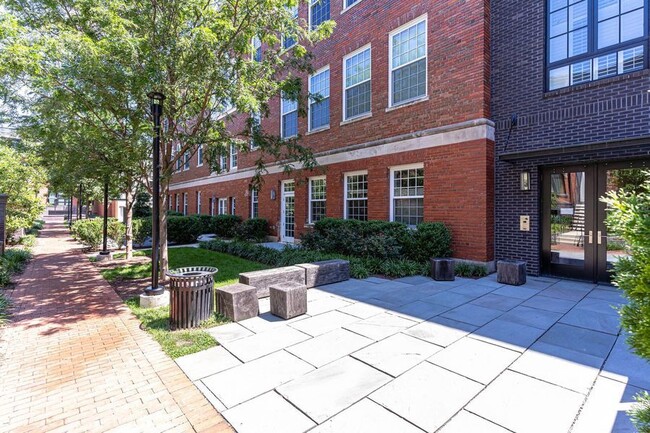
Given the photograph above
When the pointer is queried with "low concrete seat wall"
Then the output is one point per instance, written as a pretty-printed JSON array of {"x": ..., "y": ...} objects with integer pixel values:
[
  {"x": 325, "y": 272},
  {"x": 262, "y": 280}
]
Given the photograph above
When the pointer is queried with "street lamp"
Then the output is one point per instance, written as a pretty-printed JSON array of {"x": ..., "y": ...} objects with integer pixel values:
[{"x": 156, "y": 101}]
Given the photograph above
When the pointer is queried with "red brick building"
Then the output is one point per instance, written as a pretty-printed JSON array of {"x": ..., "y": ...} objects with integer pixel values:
[{"x": 401, "y": 132}]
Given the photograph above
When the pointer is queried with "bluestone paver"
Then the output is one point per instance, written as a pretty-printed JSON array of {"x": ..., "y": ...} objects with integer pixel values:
[
  {"x": 472, "y": 314},
  {"x": 534, "y": 317},
  {"x": 579, "y": 340},
  {"x": 323, "y": 323},
  {"x": 440, "y": 331},
  {"x": 229, "y": 332},
  {"x": 206, "y": 363},
  {"x": 380, "y": 326},
  {"x": 329, "y": 347},
  {"x": 549, "y": 304},
  {"x": 466, "y": 422},
  {"x": 508, "y": 334},
  {"x": 264, "y": 343},
  {"x": 625, "y": 366}
]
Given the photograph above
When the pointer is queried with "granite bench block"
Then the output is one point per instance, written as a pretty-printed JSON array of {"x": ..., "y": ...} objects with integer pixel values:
[
  {"x": 325, "y": 272},
  {"x": 511, "y": 272},
  {"x": 262, "y": 280},
  {"x": 288, "y": 301},
  {"x": 237, "y": 302},
  {"x": 443, "y": 269}
]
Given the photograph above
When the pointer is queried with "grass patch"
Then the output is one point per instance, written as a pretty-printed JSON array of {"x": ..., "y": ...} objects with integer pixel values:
[
  {"x": 229, "y": 266},
  {"x": 174, "y": 343}
]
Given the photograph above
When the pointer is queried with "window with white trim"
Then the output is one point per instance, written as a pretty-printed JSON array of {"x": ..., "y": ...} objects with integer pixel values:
[
  {"x": 319, "y": 100},
  {"x": 169, "y": 202},
  {"x": 223, "y": 161},
  {"x": 184, "y": 203},
  {"x": 349, "y": 3},
  {"x": 289, "y": 115},
  {"x": 356, "y": 196},
  {"x": 257, "y": 49},
  {"x": 199, "y": 156},
  {"x": 319, "y": 12},
  {"x": 233, "y": 206},
  {"x": 408, "y": 62},
  {"x": 223, "y": 206},
  {"x": 317, "y": 199},
  {"x": 407, "y": 195},
  {"x": 233, "y": 157},
  {"x": 592, "y": 39},
  {"x": 177, "y": 204},
  {"x": 289, "y": 41},
  {"x": 187, "y": 156},
  {"x": 198, "y": 202},
  {"x": 179, "y": 161},
  {"x": 254, "y": 203},
  {"x": 356, "y": 79},
  {"x": 212, "y": 201},
  {"x": 256, "y": 124}
]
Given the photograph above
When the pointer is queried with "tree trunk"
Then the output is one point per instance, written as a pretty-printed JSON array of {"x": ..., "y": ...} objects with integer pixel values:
[{"x": 128, "y": 236}]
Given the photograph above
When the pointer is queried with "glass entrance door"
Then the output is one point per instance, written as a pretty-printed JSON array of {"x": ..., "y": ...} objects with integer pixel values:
[
  {"x": 575, "y": 241},
  {"x": 288, "y": 217}
]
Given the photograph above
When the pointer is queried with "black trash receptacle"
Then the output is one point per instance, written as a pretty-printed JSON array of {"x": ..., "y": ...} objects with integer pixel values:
[{"x": 191, "y": 296}]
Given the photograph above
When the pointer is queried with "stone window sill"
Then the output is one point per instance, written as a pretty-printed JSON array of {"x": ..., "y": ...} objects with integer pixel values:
[
  {"x": 408, "y": 104},
  {"x": 356, "y": 119}
]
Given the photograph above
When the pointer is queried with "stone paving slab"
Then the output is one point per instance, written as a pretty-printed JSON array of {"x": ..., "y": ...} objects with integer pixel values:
[
  {"x": 440, "y": 331},
  {"x": 467, "y": 422},
  {"x": 331, "y": 389},
  {"x": 427, "y": 395},
  {"x": 366, "y": 416},
  {"x": 273, "y": 414},
  {"x": 472, "y": 314},
  {"x": 524, "y": 404},
  {"x": 329, "y": 347},
  {"x": 264, "y": 343},
  {"x": 206, "y": 363},
  {"x": 323, "y": 323},
  {"x": 380, "y": 326},
  {"x": 508, "y": 334}
]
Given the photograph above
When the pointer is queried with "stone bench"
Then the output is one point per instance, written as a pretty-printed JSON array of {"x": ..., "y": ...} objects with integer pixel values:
[
  {"x": 237, "y": 302},
  {"x": 262, "y": 280},
  {"x": 288, "y": 301},
  {"x": 325, "y": 272},
  {"x": 511, "y": 272},
  {"x": 443, "y": 269}
]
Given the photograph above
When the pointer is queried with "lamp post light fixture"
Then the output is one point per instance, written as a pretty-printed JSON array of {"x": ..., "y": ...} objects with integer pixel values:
[
  {"x": 156, "y": 102},
  {"x": 104, "y": 253},
  {"x": 525, "y": 181}
]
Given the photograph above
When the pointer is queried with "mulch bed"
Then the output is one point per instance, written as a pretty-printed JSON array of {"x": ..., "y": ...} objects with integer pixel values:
[{"x": 126, "y": 289}]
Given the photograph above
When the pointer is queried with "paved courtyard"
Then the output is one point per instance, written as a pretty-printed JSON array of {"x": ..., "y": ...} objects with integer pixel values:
[{"x": 414, "y": 355}]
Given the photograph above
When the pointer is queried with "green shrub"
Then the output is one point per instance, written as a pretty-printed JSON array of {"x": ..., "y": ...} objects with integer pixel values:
[
  {"x": 90, "y": 232},
  {"x": 183, "y": 230},
  {"x": 640, "y": 412},
  {"x": 141, "y": 229},
  {"x": 430, "y": 240},
  {"x": 224, "y": 226},
  {"x": 28, "y": 241},
  {"x": 470, "y": 270},
  {"x": 4, "y": 306},
  {"x": 174, "y": 213},
  {"x": 12, "y": 262},
  {"x": 254, "y": 229},
  {"x": 379, "y": 239}
]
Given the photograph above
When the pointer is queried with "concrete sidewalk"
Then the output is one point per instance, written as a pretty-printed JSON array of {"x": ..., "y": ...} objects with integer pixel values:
[{"x": 74, "y": 358}]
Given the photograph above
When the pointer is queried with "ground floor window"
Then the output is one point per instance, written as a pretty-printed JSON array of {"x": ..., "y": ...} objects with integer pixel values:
[
  {"x": 223, "y": 206},
  {"x": 184, "y": 203},
  {"x": 254, "y": 203},
  {"x": 317, "y": 198},
  {"x": 233, "y": 205},
  {"x": 198, "y": 202},
  {"x": 177, "y": 205},
  {"x": 212, "y": 200},
  {"x": 407, "y": 194},
  {"x": 356, "y": 196}
]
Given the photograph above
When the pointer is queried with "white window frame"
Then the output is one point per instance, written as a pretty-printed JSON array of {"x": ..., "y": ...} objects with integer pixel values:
[
  {"x": 256, "y": 43},
  {"x": 295, "y": 16},
  {"x": 223, "y": 162},
  {"x": 311, "y": 4},
  {"x": 411, "y": 23},
  {"x": 346, "y": 6},
  {"x": 233, "y": 205},
  {"x": 199, "y": 156},
  {"x": 392, "y": 185},
  {"x": 212, "y": 203},
  {"x": 345, "y": 189},
  {"x": 198, "y": 202},
  {"x": 187, "y": 159},
  {"x": 255, "y": 199},
  {"x": 310, "y": 102},
  {"x": 282, "y": 114},
  {"x": 223, "y": 206},
  {"x": 234, "y": 156},
  {"x": 178, "y": 206},
  {"x": 179, "y": 161},
  {"x": 345, "y": 89},
  {"x": 255, "y": 118},
  {"x": 185, "y": 204},
  {"x": 310, "y": 199}
]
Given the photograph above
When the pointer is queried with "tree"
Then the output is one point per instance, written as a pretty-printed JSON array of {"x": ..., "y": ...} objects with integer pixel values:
[
  {"x": 99, "y": 59},
  {"x": 22, "y": 180}
]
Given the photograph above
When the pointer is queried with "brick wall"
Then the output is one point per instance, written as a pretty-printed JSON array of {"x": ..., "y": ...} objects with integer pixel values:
[
  {"x": 617, "y": 108},
  {"x": 459, "y": 182}
]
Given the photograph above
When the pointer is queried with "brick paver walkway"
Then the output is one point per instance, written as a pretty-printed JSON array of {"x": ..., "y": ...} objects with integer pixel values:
[{"x": 74, "y": 359}]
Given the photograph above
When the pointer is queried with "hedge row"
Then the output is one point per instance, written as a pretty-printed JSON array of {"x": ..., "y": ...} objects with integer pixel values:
[
  {"x": 186, "y": 229},
  {"x": 379, "y": 239},
  {"x": 360, "y": 267},
  {"x": 90, "y": 232}
]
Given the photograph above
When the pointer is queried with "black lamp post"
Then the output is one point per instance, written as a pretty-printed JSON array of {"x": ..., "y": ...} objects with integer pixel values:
[
  {"x": 105, "y": 251},
  {"x": 156, "y": 101}
]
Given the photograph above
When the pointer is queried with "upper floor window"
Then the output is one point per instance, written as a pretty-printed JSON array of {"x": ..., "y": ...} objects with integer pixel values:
[
  {"x": 179, "y": 161},
  {"x": 317, "y": 198},
  {"x": 408, "y": 62},
  {"x": 187, "y": 156},
  {"x": 319, "y": 102},
  {"x": 592, "y": 39},
  {"x": 349, "y": 3},
  {"x": 223, "y": 206},
  {"x": 199, "y": 156},
  {"x": 319, "y": 12},
  {"x": 356, "y": 196},
  {"x": 223, "y": 161},
  {"x": 407, "y": 195},
  {"x": 289, "y": 41},
  {"x": 289, "y": 122},
  {"x": 233, "y": 157},
  {"x": 356, "y": 77},
  {"x": 257, "y": 49}
]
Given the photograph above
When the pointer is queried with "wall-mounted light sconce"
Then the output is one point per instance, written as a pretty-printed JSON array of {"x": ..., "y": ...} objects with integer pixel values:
[
  {"x": 273, "y": 193},
  {"x": 525, "y": 181}
]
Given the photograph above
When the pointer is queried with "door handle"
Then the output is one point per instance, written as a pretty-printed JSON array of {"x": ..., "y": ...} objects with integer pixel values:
[
  {"x": 600, "y": 237},
  {"x": 591, "y": 236}
]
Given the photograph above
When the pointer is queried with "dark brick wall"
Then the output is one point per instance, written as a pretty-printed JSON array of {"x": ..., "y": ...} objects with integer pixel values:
[{"x": 617, "y": 108}]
